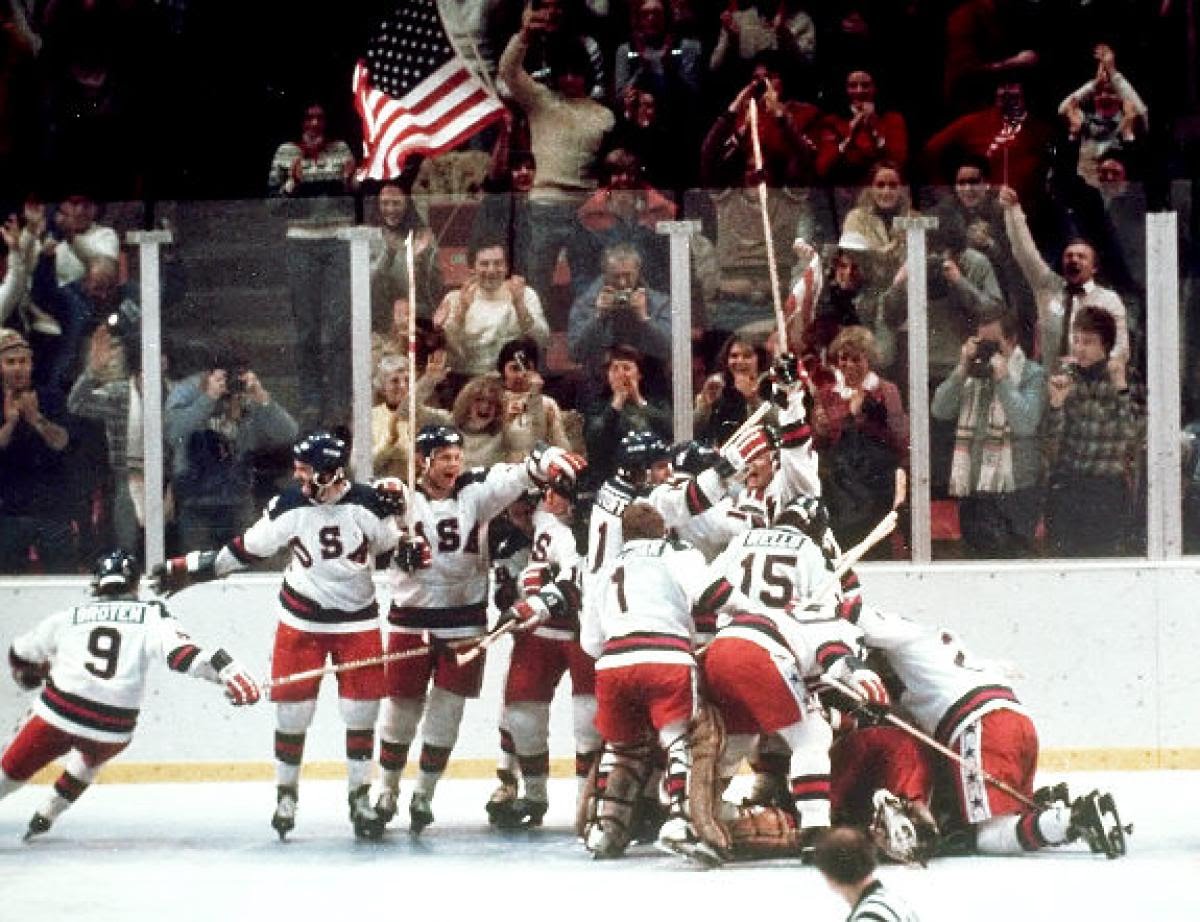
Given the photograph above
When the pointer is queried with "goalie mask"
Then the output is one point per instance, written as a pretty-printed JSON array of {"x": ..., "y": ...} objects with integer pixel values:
[
  {"x": 116, "y": 573},
  {"x": 321, "y": 458}
]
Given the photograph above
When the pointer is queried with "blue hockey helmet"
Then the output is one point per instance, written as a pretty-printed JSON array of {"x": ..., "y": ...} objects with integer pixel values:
[
  {"x": 328, "y": 454},
  {"x": 433, "y": 437},
  {"x": 637, "y": 451},
  {"x": 116, "y": 573}
]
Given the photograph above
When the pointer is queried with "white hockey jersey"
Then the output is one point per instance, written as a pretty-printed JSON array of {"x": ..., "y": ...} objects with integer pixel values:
[
  {"x": 327, "y": 584},
  {"x": 554, "y": 556},
  {"x": 100, "y": 654},
  {"x": 945, "y": 688},
  {"x": 777, "y": 571},
  {"x": 449, "y": 597},
  {"x": 644, "y": 604}
]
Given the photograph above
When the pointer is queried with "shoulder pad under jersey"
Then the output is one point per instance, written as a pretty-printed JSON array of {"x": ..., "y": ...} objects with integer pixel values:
[
  {"x": 468, "y": 477},
  {"x": 291, "y": 498},
  {"x": 360, "y": 494}
]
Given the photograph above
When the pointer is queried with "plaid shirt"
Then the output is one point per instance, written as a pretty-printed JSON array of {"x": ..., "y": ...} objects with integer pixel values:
[{"x": 1097, "y": 432}]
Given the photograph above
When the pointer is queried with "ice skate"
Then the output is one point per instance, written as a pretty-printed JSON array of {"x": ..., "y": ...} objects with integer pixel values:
[
  {"x": 499, "y": 805},
  {"x": 420, "y": 812},
  {"x": 1094, "y": 818},
  {"x": 284, "y": 820},
  {"x": 367, "y": 822},
  {"x": 521, "y": 813},
  {"x": 677, "y": 837},
  {"x": 648, "y": 817},
  {"x": 385, "y": 805},
  {"x": 38, "y": 825}
]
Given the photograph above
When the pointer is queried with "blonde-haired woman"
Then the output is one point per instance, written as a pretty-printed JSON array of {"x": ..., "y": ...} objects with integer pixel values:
[{"x": 861, "y": 436}]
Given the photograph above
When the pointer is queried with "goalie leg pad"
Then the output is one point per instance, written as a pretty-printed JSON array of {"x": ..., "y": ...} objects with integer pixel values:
[
  {"x": 620, "y": 777},
  {"x": 704, "y": 781}
]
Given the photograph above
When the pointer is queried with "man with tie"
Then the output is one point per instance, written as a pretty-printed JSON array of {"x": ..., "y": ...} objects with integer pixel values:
[{"x": 1060, "y": 298}]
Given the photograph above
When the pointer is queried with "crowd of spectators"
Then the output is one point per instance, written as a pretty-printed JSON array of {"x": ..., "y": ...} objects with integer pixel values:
[{"x": 1029, "y": 130}]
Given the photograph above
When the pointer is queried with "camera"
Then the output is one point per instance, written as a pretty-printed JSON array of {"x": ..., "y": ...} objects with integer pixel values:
[
  {"x": 622, "y": 298},
  {"x": 981, "y": 364},
  {"x": 124, "y": 322}
]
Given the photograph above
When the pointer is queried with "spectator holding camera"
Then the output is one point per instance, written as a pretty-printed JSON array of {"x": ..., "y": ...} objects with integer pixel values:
[
  {"x": 215, "y": 421},
  {"x": 1095, "y": 429},
  {"x": 961, "y": 286},
  {"x": 617, "y": 309},
  {"x": 996, "y": 395}
]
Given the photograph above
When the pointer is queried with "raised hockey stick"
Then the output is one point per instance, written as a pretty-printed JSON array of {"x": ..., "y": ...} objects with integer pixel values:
[
  {"x": 885, "y": 527},
  {"x": 929, "y": 741},
  {"x": 768, "y": 236},
  {"x": 335, "y": 668},
  {"x": 410, "y": 514}
]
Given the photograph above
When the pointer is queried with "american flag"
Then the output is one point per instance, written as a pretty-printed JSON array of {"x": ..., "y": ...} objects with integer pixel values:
[{"x": 414, "y": 94}]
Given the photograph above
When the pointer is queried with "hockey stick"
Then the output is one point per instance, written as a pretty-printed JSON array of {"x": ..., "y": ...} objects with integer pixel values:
[
  {"x": 335, "y": 668},
  {"x": 477, "y": 648},
  {"x": 768, "y": 236},
  {"x": 410, "y": 506},
  {"x": 844, "y": 563},
  {"x": 918, "y": 734}
]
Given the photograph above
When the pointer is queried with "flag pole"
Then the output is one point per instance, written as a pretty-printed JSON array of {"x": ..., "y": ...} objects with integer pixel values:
[{"x": 410, "y": 513}]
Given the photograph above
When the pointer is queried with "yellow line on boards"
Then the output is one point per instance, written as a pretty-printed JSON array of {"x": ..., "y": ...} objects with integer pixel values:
[{"x": 1051, "y": 760}]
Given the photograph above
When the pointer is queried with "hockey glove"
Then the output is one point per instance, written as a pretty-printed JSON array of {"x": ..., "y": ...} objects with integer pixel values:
[
  {"x": 546, "y": 463},
  {"x": 739, "y": 452},
  {"x": 27, "y": 674},
  {"x": 786, "y": 376},
  {"x": 693, "y": 457},
  {"x": 864, "y": 682},
  {"x": 527, "y": 613},
  {"x": 176, "y": 573},
  {"x": 390, "y": 493},
  {"x": 413, "y": 554},
  {"x": 240, "y": 687}
]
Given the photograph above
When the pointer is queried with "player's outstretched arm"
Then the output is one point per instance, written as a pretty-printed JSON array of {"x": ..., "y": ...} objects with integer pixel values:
[{"x": 219, "y": 668}]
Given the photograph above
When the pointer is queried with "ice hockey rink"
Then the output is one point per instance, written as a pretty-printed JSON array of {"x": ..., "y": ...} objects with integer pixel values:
[{"x": 205, "y": 851}]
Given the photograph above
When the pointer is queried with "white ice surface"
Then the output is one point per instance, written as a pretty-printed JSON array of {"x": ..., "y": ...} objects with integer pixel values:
[{"x": 181, "y": 852}]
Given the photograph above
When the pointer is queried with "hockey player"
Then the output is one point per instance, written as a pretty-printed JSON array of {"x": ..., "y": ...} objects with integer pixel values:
[
  {"x": 439, "y": 602},
  {"x": 968, "y": 705},
  {"x": 334, "y": 529},
  {"x": 93, "y": 660},
  {"x": 759, "y": 668},
  {"x": 510, "y": 539},
  {"x": 547, "y": 648},
  {"x": 642, "y": 637}
]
